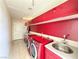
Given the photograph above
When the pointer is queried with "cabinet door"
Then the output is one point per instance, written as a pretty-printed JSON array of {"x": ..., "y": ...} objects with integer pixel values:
[
  {"x": 68, "y": 8},
  {"x": 51, "y": 55}
]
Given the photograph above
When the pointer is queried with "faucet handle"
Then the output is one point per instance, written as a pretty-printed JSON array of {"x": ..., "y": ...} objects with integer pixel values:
[{"x": 66, "y": 36}]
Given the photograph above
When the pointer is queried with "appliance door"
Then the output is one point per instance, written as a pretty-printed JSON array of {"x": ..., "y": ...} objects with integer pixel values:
[
  {"x": 33, "y": 51},
  {"x": 27, "y": 41},
  {"x": 28, "y": 44}
]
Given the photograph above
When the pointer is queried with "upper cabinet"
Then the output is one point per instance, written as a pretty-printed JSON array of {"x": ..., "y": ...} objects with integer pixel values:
[
  {"x": 43, "y": 6},
  {"x": 66, "y": 9}
]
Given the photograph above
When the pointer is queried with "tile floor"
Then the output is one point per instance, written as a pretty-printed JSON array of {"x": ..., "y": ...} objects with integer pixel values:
[{"x": 19, "y": 50}]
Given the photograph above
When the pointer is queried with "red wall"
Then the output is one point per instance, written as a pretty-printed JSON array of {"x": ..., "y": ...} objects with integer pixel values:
[
  {"x": 59, "y": 29},
  {"x": 68, "y": 8},
  {"x": 62, "y": 27}
]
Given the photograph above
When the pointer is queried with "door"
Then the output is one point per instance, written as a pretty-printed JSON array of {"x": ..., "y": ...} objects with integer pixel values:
[{"x": 33, "y": 51}]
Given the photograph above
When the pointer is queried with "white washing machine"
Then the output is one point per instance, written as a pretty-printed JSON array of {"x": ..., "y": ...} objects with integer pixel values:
[{"x": 37, "y": 47}]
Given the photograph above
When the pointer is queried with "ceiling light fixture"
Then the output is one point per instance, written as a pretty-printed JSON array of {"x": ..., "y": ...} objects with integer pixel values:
[{"x": 33, "y": 4}]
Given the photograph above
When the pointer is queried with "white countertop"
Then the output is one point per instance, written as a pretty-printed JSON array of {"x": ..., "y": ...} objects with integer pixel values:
[
  {"x": 63, "y": 55},
  {"x": 58, "y": 39},
  {"x": 72, "y": 44}
]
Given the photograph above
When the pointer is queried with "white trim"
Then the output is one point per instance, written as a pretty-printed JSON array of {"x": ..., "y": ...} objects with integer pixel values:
[
  {"x": 58, "y": 19},
  {"x": 58, "y": 39}
]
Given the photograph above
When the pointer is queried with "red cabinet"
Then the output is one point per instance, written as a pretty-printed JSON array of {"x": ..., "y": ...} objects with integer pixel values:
[
  {"x": 59, "y": 29},
  {"x": 51, "y": 55},
  {"x": 68, "y": 8}
]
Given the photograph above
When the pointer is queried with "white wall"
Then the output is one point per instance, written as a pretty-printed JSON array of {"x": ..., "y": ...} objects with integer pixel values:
[
  {"x": 18, "y": 29},
  {"x": 4, "y": 31}
]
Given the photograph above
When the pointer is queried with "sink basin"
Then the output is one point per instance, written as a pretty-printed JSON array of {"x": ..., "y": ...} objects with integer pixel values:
[{"x": 62, "y": 47}]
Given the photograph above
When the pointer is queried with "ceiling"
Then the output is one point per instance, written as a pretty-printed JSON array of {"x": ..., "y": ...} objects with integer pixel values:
[{"x": 24, "y": 8}]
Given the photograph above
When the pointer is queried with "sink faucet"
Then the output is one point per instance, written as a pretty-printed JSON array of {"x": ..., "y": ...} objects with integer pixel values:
[{"x": 66, "y": 37}]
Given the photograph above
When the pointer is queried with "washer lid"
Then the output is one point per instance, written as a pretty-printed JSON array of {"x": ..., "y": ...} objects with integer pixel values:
[{"x": 41, "y": 39}]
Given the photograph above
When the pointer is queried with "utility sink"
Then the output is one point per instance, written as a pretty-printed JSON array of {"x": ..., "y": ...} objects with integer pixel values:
[{"x": 62, "y": 47}]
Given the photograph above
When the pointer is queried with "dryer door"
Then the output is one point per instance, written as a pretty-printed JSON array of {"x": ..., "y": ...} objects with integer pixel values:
[
  {"x": 26, "y": 40},
  {"x": 33, "y": 51},
  {"x": 28, "y": 44}
]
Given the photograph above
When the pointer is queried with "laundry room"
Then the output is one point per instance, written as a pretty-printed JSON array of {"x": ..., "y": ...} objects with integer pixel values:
[{"x": 38, "y": 29}]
